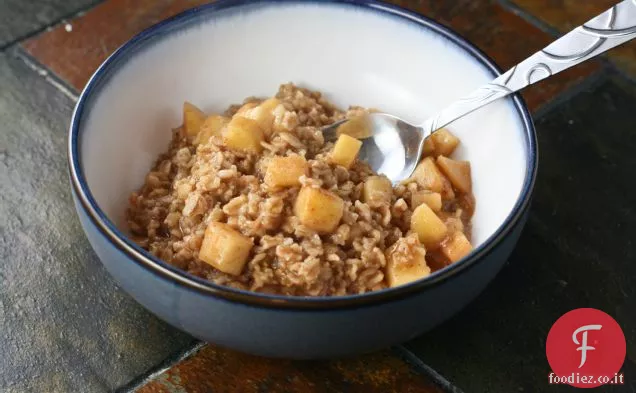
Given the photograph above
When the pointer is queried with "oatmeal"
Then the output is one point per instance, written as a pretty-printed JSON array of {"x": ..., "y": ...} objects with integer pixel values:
[{"x": 256, "y": 199}]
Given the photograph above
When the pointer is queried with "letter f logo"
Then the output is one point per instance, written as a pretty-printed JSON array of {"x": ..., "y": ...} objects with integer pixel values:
[{"x": 584, "y": 347}]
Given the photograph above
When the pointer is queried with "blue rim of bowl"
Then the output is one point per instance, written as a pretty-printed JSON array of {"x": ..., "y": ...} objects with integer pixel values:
[{"x": 169, "y": 272}]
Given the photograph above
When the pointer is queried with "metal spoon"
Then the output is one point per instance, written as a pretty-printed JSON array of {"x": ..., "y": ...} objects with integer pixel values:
[{"x": 394, "y": 147}]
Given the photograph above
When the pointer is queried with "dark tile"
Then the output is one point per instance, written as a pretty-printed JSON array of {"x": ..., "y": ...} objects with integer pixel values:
[
  {"x": 564, "y": 15},
  {"x": 64, "y": 325},
  {"x": 577, "y": 250},
  {"x": 218, "y": 370},
  {"x": 501, "y": 34},
  {"x": 19, "y": 18}
]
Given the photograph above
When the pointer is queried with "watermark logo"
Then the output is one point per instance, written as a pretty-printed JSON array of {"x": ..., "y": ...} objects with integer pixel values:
[{"x": 586, "y": 348}]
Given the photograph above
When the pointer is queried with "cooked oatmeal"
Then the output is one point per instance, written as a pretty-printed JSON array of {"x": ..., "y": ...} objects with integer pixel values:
[{"x": 256, "y": 199}]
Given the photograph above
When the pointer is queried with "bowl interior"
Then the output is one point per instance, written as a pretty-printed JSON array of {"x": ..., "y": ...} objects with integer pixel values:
[{"x": 354, "y": 55}]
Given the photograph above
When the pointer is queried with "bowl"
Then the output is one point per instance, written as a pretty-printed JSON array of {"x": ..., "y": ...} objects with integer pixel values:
[{"x": 364, "y": 53}]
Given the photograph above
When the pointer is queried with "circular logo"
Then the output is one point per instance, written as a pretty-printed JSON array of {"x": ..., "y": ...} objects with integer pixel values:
[{"x": 585, "y": 348}]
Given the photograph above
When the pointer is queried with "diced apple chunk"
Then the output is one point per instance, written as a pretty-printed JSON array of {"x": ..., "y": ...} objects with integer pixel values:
[
  {"x": 246, "y": 108},
  {"x": 429, "y": 147},
  {"x": 377, "y": 191},
  {"x": 225, "y": 248},
  {"x": 212, "y": 126},
  {"x": 243, "y": 134},
  {"x": 270, "y": 103},
  {"x": 358, "y": 127},
  {"x": 406, "y": 262},
  {"x": 429, "y": 177},
  {"x": 285, "y": 171},
  {"x": 345, "y": 151},
  {"x": 445, "y": 142},
  {"x": 441, "y": 143},
  {"x": 432, "y": 199},
  {"x": 458, "y": 173},
  {"x": 319, "y": 209},
  {"x": 430, "y": 229},
  {"x": 193, "y": 118},
  {"x": 456, "y": 247},
  {"x": 262, "y": 113}
]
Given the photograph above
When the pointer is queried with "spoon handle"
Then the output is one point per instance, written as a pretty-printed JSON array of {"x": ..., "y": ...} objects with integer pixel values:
[{"x": 609, "y": 29}]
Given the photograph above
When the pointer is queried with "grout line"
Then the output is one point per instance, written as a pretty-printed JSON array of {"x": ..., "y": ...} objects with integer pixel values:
[
  {"x": 425, "y": 369},
  {"x": 528, "y": 17},
  {"x": 615, "y": 69},
  {"x": 33, "y": 64},
  {"x": 161, "y": 368},
  {"x": 71, "y": 15}
]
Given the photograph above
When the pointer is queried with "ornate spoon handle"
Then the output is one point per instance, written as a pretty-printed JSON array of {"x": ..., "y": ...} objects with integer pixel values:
[{"x": 609, "y": 29}]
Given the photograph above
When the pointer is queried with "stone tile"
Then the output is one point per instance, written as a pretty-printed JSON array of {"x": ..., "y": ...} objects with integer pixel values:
[
  {"x": 218, "y": 370},
  {"x": 74, "y": 56},
  {"x": 19, "y": 18},
  {"x": 564, "y": 15},
  {"x": 64, "y": 325},
  {"x": 577, "y": 250}
]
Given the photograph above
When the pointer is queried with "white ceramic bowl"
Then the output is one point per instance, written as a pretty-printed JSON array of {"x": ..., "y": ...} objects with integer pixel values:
[{"x": 367, "y": 54}]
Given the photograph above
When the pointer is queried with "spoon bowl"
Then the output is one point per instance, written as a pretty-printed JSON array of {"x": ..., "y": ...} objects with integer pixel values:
[{"x": 390, "y": 145}]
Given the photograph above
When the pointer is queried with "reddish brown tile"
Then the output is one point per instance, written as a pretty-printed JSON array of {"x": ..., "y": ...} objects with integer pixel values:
[
  {"x": 564, "y": 15},
  {"x": 74, "y": 55},
  {"x": 219, "y": 370}
]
